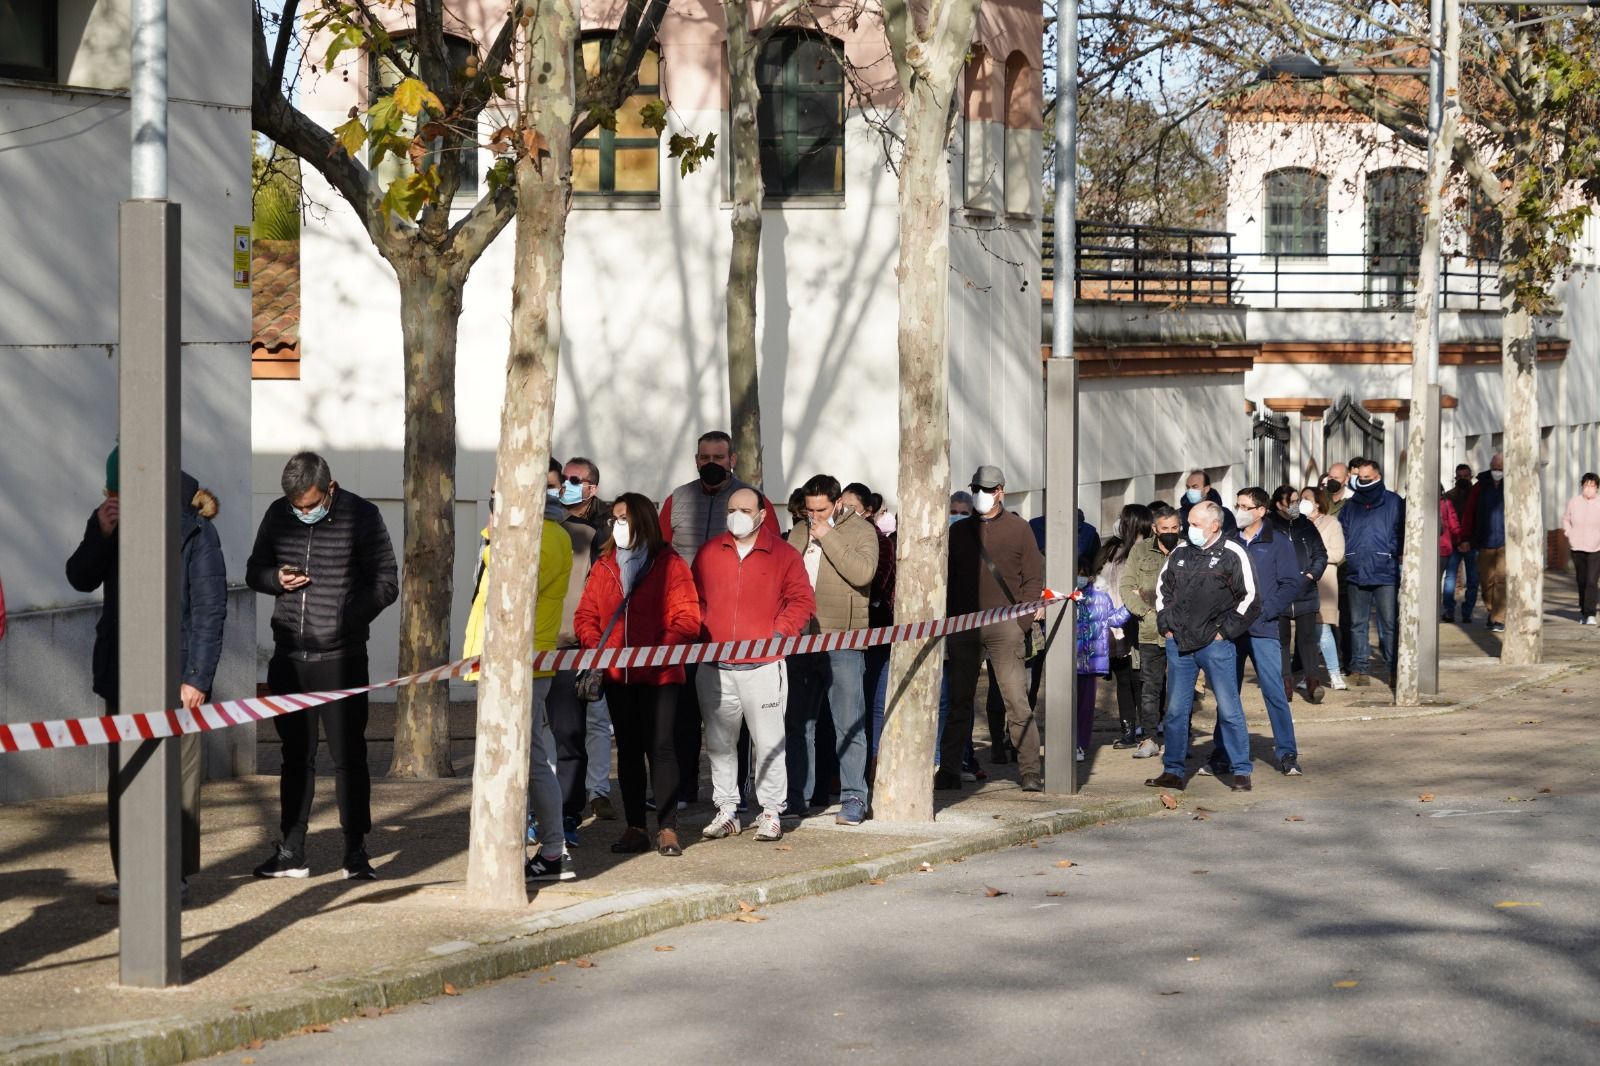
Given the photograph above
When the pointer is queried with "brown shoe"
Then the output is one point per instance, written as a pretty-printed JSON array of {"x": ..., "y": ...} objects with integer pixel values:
[
  {"x": 633, "y": 841},
  {"x": 1166, "y": 780},
  {"x": 667, "y": 842},
  {"x": 1241, "y": 783},
  {"x": 1357, "y": 680}
]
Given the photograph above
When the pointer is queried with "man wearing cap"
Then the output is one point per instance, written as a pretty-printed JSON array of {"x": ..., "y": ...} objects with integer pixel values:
[{"x": 994, "y": 562}]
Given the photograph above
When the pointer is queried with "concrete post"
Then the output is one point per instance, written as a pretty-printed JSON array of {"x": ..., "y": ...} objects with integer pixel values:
[{"x": 148, "y": 575}]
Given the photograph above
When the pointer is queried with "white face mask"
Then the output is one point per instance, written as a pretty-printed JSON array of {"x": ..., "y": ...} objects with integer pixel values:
[
  {"x": 740, "y": 524},
  {"x": 1243, "y": 517},
  {"x": 1194, "y": 496},
  {"x": 1197, "y": 537},
  {"x": 622, "y": 533},
  {"x": 982, "y": 502},
  {"x": 1307, "y": 508},
  {"x": 1498, "y": 475}
]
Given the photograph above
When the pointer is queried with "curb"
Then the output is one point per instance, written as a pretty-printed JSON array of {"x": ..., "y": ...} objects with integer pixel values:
[{"x": 528, "y": 945}]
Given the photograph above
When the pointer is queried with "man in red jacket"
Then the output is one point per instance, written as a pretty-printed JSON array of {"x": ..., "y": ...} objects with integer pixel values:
[{"x": 753, "y": 586}]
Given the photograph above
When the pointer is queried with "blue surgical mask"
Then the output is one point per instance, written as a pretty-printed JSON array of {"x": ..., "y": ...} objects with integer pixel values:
[
  {"x": 314, "y": 516},
  {"x": 1194, "y": 496},
  {"x": 1196, "y": 537},
  {"x": 571, "y": 495}
]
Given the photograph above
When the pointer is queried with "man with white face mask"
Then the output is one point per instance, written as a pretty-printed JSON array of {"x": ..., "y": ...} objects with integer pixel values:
[
  {"x": 752, "y": 586},
  {"x": 994, "y": 562}
]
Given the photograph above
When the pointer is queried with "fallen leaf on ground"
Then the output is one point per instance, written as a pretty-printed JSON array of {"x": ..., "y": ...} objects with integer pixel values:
[
  {"x": 248, "y": 1060},
  {"x": 1544, "y": 792},
  {"x": 1192, "y": 958},
  {"x": 450, "y": 989},
  {"x": 1033, "y": 843},
  {"x": 1532, "y": 721},
  {"x": 665, "y": 947},
  {"x": 584, "y": 964},
  {"x": 748, "y": 908},
  {"x": 1201, "y": 815},
  {"x": 1170, "y": 804},
  {"x": 1507, "y": 904},
  {"x": 749, "y": 917},
  {"x": 254, "y": 1045},
  {"x": 548, "y": 980},
  {"x": 1294, "y": 818},
  {"x": 1199, "y": 871},
  {"x": 925, "y": 868},
  {"x": 991, "y": 891},
  {"x": 306, "y": 969},
  {"x": 1174, "y": 992},
  {"x": 1345, "y": 984},
  {"x": 323, "y": 1028},
  {"x": 1426, "y": 797},
  {"x": 370, "y": 1012},
  {"x": 1064, "y": 863},
  {"x": 876, "y": 881},
  {"x": 783, "y": 847},
  {"x": 1055, "y": 894}
]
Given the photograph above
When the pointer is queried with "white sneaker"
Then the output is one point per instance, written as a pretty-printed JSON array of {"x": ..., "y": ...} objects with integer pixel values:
[
  {"x": 768, "y": 827},
  {"x": 1591, "y": 620},
  {"x": 1339, "y": 685},
  {"x": 1147, "y": 749},
  {"x": 1079, "y": 754},
  {"x": 725, "y": 824}
]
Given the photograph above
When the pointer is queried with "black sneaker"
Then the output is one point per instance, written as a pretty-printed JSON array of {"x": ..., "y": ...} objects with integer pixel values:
[
  {"x": 1289, "y": 766},
  {"x": 1129, "y": 739},
  {"x": 284, "y": 863},
  {"x": 358, "y": 867},
  {"x": 540, "y": 868},
  {"x": 946, "y": 780}
]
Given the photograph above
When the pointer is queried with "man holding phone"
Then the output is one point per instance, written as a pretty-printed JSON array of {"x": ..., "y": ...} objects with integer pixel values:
[{"x": 324, "y": 554}]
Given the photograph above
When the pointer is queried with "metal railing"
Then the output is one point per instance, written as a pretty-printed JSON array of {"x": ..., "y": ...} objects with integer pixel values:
[
  {"x": 1157, "y": 264},
  {"x": 1344, "y": 280}
]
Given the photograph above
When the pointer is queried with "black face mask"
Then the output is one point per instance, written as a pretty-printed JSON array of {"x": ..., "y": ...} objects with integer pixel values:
[
  {"x": 712, "y": 475},
  {"x": 1169, "y": 541},
  {"x": 1332, "y": 487}
]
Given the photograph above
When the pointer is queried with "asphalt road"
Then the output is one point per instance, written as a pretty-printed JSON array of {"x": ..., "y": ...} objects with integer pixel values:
[{"x": 1315, "y": 932}]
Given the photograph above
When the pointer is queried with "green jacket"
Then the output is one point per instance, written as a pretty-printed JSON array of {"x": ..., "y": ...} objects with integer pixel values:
[{"x": 1138, "y": 587}]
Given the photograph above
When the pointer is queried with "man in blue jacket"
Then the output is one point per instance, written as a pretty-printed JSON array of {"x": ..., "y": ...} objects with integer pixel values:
[
  {"x": 1486, "y": 509},
  {"x": 1278, "y": 580},
  {"x": 1374, "y": 522}
]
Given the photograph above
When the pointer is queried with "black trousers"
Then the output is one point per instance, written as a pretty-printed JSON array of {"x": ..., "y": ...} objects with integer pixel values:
[
  {"x": 569, "y": 722},
  {"x": 1152, "y": 687},
  {"x": 1129, "y": 684},
  {"x": 1306, "y": 644},
  {"x": 1587, "y": 565},
  {"x": 344, "y": 724},
  {"x": 642, "y": 718},
  {"x": 687, "y": 730}
]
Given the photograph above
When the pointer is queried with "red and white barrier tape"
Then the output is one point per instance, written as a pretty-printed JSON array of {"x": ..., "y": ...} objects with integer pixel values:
[{"x": 109, "y": 729}]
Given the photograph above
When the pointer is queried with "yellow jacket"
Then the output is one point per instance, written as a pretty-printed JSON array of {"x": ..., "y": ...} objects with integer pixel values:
[{"x": 555, "y": 570}]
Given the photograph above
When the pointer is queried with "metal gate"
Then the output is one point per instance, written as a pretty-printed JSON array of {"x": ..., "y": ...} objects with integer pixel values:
[
  {"x": 1269, "y": 452},
  {"x": 1348, "y": 431}
]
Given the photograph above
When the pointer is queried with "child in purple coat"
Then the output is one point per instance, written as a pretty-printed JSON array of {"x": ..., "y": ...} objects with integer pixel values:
[{"x": 1097, "y": 617}]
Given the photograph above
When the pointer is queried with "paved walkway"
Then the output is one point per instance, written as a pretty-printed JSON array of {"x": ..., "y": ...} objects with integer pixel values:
[{"x": 256, "y": 950}]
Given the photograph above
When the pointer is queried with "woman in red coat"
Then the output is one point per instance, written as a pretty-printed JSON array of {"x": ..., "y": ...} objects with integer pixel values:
[{"x": 662, "y": 607}]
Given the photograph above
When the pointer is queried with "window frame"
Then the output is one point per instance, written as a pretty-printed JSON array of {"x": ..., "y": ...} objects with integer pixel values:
[
  {"x": 788, "y": 141},
  {"x": 607, "y": 142},
  {"x": 50, "y": 72},
  {"x": 1391, "y": 266},
  {"x": 470, "y": 188},
  {"x": 1308, "y": 201}
]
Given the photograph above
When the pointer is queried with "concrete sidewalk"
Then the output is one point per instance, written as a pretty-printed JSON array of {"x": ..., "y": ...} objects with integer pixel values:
[{"x": 266, "y": 958}]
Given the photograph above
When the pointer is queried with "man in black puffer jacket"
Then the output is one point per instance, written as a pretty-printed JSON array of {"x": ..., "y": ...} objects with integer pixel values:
[
  {"x": 203, "y": 611},
  {"x": 324, "y": 553}
]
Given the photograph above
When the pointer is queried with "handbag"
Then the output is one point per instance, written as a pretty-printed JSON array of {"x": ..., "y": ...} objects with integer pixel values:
[
  {"x": 590, "y": 683},
  {"x": 1033, "y": 645}
]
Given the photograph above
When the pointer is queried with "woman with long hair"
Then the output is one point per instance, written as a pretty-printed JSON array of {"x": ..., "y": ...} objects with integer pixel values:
[
  {"x": 1314, "y": 504},
  {"x": 1134, "y": 525},
  {"x": 640, "y": 593}
]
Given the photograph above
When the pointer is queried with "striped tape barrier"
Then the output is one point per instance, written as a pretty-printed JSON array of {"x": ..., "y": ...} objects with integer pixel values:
[{"x": 109, "y": 729}]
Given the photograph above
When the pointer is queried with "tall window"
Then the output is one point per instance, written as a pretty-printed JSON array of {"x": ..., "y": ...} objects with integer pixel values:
[
  {"x": 1394, "y": 234},
  {"x": 1023, "y": 117},
  {"x": 383, "y": 75},
  {"x": 1297, "y": 213},
  {"x": 28, "y": 40},
  {"x": 626, "y": 161},
  {"x": 801, "y": 117}
]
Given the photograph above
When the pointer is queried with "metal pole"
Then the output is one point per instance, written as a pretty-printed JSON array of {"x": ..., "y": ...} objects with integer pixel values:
[
  {"x": 148, "y": 572},
  {"x": 1061, "y": 421}
]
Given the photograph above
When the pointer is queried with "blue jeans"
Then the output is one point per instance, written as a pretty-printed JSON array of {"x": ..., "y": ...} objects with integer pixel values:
[
  {"x": 1366, "y": 601},
  {"x": 1219, "y": 661},
  {"x": 1469, "y": 596},
  {"x": 1330, "y": 653},
  {"x": 877, "y": 685},
  {"x": 838, "y": 675},
  {"x": 1267, "y": 655}
]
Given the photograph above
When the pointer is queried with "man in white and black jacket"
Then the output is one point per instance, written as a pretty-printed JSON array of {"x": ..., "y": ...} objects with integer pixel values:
[
  {"x": 325, "y": 555},
  {"x": 1205, "y": 600}
]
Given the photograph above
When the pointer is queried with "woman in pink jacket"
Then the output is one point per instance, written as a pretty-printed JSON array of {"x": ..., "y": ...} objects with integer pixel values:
[{"x": 1582, "y": 525}]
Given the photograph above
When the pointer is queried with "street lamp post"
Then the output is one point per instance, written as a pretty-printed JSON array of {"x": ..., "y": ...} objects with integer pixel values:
[{"x": 1061, "y": 421}]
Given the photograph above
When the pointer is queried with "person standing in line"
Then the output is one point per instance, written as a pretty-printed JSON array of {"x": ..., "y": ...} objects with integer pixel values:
[
  {"x": 203, "y": 612},
  {"x": 1301, "y": 624},
  {"x": 1133, "y": 528},
  {"x": 1205, "y": 601},
  {"x": 840, "y": 552},
  {"x": 880, "y": 611},
  {"x": 325, "y": 557},
  {"x": 1374, "y": 522},
  {"x": 1581, "y": 522},
  {"x": 1334, "y": 486},
  {"x": 1096, "y": 618},
  {"x": 1462, "y": 556},
  {"x": 1312, "y": 498},
  {"x": 752, "y": 586},
  {"x": 1487, "y": 505},
  {"x": 692, "y": 514},
  {"x": 641, "y": 595},
  {"x": 1196, "y": 489},
  {"x": 994, "y": 562},
  {"x": 1138, "y": 588},
  {"x": 550, "y": 860}
]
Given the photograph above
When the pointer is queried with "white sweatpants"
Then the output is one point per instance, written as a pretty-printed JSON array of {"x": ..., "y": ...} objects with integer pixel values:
[{"x": 758, "y": 698}]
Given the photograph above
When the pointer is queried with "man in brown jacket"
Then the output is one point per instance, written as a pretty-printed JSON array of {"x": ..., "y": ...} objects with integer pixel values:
[
  {"x": 840, "y": 550},
  {"x": 994, "y": 562}
]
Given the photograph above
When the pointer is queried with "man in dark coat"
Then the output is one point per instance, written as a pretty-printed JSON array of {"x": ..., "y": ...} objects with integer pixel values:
[
  {"x": 203, "y": 605},
  {"x": 325, "y": 555}
]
